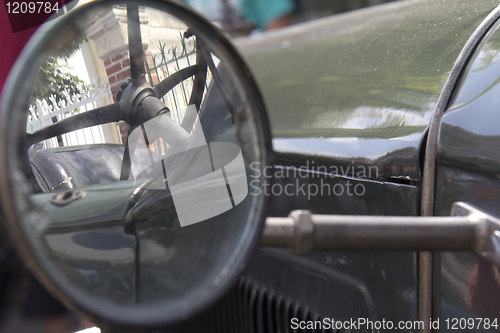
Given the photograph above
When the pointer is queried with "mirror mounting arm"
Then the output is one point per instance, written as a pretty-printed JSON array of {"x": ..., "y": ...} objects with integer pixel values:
[{"x": 467, "y": 229}]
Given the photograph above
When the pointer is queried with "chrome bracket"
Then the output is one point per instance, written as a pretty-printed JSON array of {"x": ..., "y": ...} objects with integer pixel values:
[
  {"x": 486, "y": 232},
  {"x": 468, "y": 229}
]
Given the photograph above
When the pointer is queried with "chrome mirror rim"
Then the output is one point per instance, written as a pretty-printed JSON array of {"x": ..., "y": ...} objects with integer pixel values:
[{"x": 10, "y": 182}]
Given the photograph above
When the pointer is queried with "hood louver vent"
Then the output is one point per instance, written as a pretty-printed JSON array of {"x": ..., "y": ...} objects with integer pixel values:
[{"x": 247, "y": 308}]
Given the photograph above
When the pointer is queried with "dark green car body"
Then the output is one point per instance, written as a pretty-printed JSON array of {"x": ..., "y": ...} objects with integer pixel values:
[
  {"x": 351, "y": 99},
  {"x": 358, "y": 91}
]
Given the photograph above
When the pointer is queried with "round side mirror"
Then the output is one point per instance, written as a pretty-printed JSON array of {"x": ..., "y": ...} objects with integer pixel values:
[{"x": 130, "y": 193}]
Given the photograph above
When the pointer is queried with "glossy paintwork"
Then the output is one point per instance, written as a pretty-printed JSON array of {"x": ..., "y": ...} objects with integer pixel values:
[
  {"x": 341, "y": 285},
  {"x": 468, "y": 169},
  {"x": 468, "y": 287},
  {"x": 88, "y": 210},
  {"x": 177, "y": 265},
  {"x": 132, "y": 251},
  {"x": 362, "y": 86},
  {"x": 87, "y": 241},
  {"x": 469, "y": 131},
  {"x": 357, "y": 90}
]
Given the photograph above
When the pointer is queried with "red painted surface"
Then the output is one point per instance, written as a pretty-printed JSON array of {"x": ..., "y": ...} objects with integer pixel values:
[{"x": 11, "y": 44}]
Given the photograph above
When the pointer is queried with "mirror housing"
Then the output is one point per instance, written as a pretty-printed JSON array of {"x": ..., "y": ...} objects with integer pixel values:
[{"x": 171, "y": 232}]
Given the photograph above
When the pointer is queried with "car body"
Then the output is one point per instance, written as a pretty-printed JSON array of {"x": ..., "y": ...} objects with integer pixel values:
[
  {"x": 353, "y": 101},
  {"x": 360, "y": 90}
]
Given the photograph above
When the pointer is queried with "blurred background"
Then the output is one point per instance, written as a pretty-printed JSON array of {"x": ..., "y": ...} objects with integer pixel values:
[{"x": 244, "y": 17}]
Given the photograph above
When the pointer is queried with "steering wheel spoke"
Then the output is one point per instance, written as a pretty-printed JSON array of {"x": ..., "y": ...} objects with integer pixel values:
[
  {"x": 102, "y": 115},
  {"x": 136, "y": 52}
]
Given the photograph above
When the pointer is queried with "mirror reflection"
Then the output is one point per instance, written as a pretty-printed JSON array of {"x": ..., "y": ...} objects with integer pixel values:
[{"x": 141, "y": 150}]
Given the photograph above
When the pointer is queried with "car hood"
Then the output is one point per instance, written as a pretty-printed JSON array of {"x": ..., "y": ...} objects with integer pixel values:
[{"x": 360, "y": 88}]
